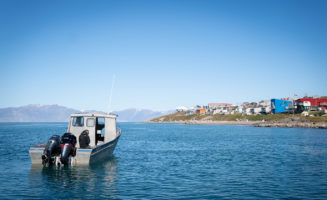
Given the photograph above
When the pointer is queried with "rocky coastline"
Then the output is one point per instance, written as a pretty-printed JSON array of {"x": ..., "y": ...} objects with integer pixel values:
[
  {"x": 292, "y": 123},
  {"x": 288, "y": 123}
]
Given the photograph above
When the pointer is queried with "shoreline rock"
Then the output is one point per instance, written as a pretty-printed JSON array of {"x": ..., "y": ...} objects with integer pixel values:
[
  {"x": 320, "y": 125},
  {"x": 207, "y": 122},
  {"x": 287, "y": 123}
]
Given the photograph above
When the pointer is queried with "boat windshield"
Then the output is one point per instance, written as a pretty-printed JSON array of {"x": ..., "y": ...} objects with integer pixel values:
[{"x": 78, "y": 121}]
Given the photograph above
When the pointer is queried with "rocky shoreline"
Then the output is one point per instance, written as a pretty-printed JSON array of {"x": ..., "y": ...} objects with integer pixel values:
[
  {"x": 207, "y": 122},
  {"x": 292, "y": 123},
  {"x": 289, "y": 123}
]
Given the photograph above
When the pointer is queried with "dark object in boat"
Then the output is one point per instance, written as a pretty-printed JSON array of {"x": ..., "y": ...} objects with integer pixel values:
[{"x": 84, "y": 139}]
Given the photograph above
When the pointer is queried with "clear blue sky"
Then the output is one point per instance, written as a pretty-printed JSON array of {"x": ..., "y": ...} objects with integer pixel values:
[{"x": 163, "y": 53}]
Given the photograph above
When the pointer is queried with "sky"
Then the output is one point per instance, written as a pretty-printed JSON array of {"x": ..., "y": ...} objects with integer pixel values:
[{"x": 160, "y": 53}]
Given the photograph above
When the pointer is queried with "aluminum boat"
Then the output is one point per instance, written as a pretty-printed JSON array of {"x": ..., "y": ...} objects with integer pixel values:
[{"x": 67, "y": 150}]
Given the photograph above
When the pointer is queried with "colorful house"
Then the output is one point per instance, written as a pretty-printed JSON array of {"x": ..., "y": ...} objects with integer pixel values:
[
  {"x": 201, "y": 111},
  {"x": 281, "y": 106},
  {"x": 213, "y": 106},
  {"x": 305, "y": 104}
]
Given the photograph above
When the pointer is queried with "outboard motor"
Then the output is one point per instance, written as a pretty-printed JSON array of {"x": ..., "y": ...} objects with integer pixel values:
[
  {"x": 51, "y": 150},
  {"x": 67, "y": 144}
]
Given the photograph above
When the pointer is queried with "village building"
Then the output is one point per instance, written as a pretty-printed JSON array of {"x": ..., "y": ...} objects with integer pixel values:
[
  {"x": 201, "y": 111},
  {"x": 281, "y": 106},
  {"x": 307, "y": 104},
  {"x": 181, "y": 109},
  {"x": 213, "y": 106}
]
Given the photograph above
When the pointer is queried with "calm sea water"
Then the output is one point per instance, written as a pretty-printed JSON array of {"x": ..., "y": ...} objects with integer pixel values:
[{"x": 172, "y": 161}]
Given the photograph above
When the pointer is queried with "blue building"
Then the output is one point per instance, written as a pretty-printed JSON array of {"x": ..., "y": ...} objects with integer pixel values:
[{"x": 280, "y": 106}]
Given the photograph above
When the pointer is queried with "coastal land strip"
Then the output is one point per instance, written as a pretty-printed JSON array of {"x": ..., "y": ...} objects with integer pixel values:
[{"x": 271, "y": 120}]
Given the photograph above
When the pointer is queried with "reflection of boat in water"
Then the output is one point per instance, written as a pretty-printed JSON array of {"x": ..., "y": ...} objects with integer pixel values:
[
  {"x": 97, "y": 180},
  {"x": 101, "y": 139}
]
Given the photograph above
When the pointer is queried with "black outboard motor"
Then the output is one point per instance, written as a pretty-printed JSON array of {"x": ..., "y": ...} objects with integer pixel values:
[
  {"x": 67, "y": 144},
  {"x": 51, "y": 150}
]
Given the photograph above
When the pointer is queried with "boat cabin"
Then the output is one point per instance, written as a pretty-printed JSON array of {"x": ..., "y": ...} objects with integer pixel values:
[{"x": 101, "y": 127}]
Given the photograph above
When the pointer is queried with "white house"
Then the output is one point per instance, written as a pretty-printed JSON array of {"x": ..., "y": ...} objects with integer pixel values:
[{"x": 181, "y": 109}]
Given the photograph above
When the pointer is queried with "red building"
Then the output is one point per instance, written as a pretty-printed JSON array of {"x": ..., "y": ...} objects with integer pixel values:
[{"x": 311, "y": 104}]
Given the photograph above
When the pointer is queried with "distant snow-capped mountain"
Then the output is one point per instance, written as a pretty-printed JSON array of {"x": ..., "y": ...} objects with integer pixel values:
[{"x": 56, "y": 113}]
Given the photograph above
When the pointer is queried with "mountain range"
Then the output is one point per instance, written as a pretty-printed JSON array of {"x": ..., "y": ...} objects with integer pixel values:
[{"x": 57, "y": 113}]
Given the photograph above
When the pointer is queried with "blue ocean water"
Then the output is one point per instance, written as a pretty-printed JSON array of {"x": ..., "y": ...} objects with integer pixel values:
[{"x": 173, "y": 161}]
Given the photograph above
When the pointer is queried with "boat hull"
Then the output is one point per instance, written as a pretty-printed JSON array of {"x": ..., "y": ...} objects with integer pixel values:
[{"x": 83, "y": 156}]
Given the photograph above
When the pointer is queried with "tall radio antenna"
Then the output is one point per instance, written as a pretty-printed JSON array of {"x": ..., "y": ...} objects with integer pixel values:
[{"x": 112, "y": 88}]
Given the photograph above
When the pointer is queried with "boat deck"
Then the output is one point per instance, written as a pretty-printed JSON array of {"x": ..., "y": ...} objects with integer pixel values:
[{"x": 39, "y": 145}]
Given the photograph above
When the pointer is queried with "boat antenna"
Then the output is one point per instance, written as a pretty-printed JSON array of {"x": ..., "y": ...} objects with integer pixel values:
[{"x": 112, "y": 88}]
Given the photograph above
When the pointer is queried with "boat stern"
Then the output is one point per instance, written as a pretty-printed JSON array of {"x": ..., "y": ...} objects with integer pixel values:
[
  {"x": 36, "y": 154},
  {"x": 82, "y": 156}
]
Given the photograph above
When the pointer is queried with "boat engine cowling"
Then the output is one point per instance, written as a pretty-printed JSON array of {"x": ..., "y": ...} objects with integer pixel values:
[
  {"x": 67, "y": 144},
  {"x": 51, "y": 150}
]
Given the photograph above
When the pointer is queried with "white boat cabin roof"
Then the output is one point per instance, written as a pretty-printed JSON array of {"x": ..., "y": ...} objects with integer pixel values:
[{"x": 94, "y": 114}]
